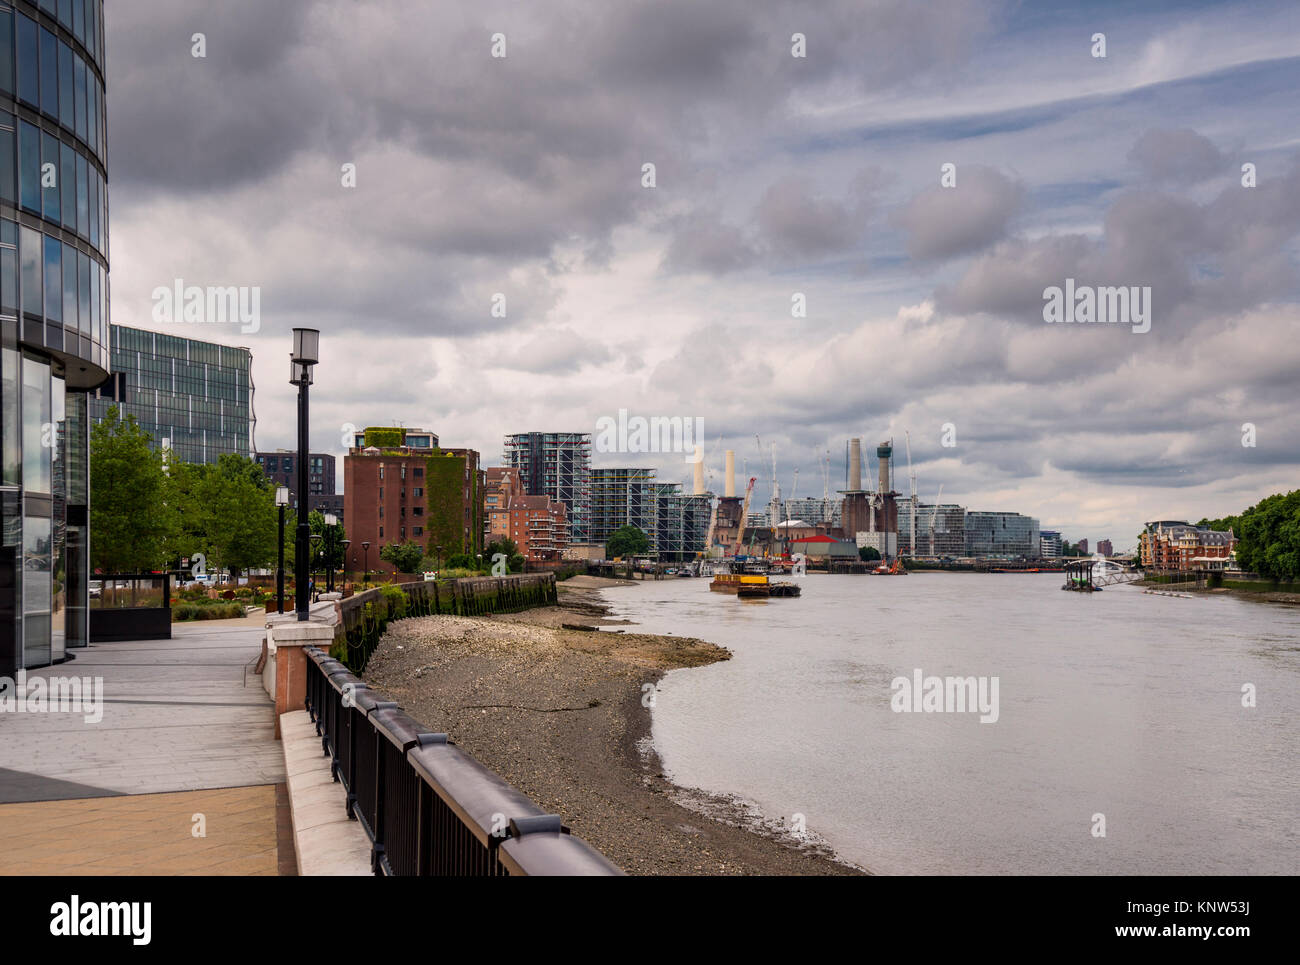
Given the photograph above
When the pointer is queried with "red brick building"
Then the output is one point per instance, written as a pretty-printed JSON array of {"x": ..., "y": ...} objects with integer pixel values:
[
  {"x": 1178, "y": 545},
  {"x": 405, "y": 494},
  {"x": 538, "y": 525}
]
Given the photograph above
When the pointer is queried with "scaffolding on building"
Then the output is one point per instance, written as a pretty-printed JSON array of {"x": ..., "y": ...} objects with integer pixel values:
[
  {"x": 556, "y": 464},
  {"x": 683, "y": 523},
  {"x": 623, "y": 497}
]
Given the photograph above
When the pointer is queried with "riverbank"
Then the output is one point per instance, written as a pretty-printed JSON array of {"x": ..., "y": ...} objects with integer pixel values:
[
  {"x": 560, "y": 713},
  {"x": 1255, "y": 596}
]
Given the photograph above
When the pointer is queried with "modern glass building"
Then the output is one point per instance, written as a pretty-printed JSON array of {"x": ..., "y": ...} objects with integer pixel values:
[
  {"x": 1002, "y": 534},
  {"x": 198, "y": 396},
  {"x": 54, "y": 341},
  {"x": 623, "y": 497}
]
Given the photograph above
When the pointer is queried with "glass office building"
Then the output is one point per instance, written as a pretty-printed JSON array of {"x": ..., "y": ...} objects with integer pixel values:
[
  {"x": 1001, "y": 534},
  {"x": 53, "y": 317},
  {"x": 198, "y": 396}
]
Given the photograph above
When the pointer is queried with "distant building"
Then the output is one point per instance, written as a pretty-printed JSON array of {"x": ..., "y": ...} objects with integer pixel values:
[
  {"x": 623, "y": 497},
  {"x": 411, "y": 438},
  {"x": 1178, "y": 545},
  {"x": 556, "y": 464},
  {"x": 403, "y": 494},
  {"x": 822, "y": 547},
  {"x": 1105, "y": 548},
  {"x": 538, "y": 525},
  {"x": 1001, "y": 535},
  {"x": 681, "y": 524},
  {"x": 1049, "y": 544},
  {"x": 281, "y": 466},
  {"x": 946, "y": 521},
  {"x": 1081, "y": 548},
  {"x": 194, "y": 397},
  {"x": 812, "y": 510}
]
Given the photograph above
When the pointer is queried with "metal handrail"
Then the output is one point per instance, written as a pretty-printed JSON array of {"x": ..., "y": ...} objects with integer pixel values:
[{"x": 427, "y": 807}]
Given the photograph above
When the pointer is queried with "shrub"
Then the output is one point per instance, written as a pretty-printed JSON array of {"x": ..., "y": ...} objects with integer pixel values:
[{"x": 395, "y": 599}]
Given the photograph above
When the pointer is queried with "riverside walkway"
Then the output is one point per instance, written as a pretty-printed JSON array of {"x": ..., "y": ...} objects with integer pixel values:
[{"x": 185, "y": 745}]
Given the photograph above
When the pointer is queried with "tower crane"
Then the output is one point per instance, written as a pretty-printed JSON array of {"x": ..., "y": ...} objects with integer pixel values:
[
  {"x": 933, "y": 513},
  {"x": 911, "y": 473},
  {"x": 744, "y": 515}
]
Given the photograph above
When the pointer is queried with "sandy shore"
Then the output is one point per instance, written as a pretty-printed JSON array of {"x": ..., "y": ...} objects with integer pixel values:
[{"x": 558, "y": 713}]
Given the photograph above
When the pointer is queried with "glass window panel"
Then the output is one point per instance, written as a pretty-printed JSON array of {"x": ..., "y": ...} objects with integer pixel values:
[
  {"x": 9, "y": 281},
  {"x": 53, "y": 279},
  {"x": 8, "y": 172},
  {"x": 83, "y": 292},
  {"x": 92, "y": 28},
  {"x": 29, "y": 77},
  {"x": 36, "y": 413},
  {"x": 94, "y": 206},
  {"x": 69, "y": 294},
  {"x": 50, "y": 176},
  {"x": 67, "y": 88},
  {"x": 68, "y": 184},
  {"x": 94, "y": 299},
  {"x": 79, "y": 19},
  {"x": 83, "y": 198},
  {"x": 103, "y": 307},
  {"x": 29, "y": 255},
  {"x": 65, "y": 13},
  {"x": 79, "y": 78},
  {"x": 9, "y": 460},
  {"x": 49, "y": 73},
  {"x": 6, "y": 51},
  {"x": 29, "y": 165},
  {"x": 92, "y": 122},
  {"x": 50, "y": 7}
]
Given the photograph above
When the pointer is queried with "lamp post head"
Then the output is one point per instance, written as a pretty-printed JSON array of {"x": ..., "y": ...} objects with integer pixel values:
[
  {"x": 331, "y": 519},
  {"x": 365, "y": 544},
  {"x": 306, "y": 345},
  {"x": 282, "y": 496}
]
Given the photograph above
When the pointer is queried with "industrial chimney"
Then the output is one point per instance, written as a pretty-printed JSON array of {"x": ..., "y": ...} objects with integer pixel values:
[
  {"x": 699, "y": 470},
  {"x": 731, "y": 474},
  {"x": 883, "y": 453},
  {"x": 855, "y": 465}
]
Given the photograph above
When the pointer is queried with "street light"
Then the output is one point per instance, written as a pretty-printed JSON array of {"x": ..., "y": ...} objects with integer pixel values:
[
  {"x": 345, "y": 544},
  {"x": 316, "y": 554},
  {"x": 365, "y": 545},
  {"x": 327, "y": 551},
  {"x": 281, "y": 501},
  {"x": 306, "y": 353}
]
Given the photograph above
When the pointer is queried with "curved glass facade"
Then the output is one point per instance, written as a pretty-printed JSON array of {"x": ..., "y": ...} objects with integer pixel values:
[{"x": 54, "y": 328}]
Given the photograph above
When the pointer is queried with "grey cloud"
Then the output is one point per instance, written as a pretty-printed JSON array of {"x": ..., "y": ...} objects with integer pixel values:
[
  {"x": 943, "y": 222},
  {"x": 1180, "y": 155}
]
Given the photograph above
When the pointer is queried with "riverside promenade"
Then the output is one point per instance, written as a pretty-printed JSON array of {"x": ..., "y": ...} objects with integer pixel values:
[{"x": 186, "y": 745}]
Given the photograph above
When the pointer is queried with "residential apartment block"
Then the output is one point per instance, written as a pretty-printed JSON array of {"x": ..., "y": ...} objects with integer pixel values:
[{"x": 1178, "y": 545}]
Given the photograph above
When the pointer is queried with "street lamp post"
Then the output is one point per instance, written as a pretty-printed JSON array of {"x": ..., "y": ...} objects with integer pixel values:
[
  {"x": 345, "y": 544},
  {"x": 281, "y": 501},
  {"x": 365, "y": 545},
  {"x": 328, "y": 551},
  {"x": 306, "y": 353},
  {"x": 317, "y": 554}
]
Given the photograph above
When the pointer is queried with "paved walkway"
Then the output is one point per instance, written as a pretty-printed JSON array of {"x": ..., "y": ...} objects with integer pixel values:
[{"x": 179, "y": 715}]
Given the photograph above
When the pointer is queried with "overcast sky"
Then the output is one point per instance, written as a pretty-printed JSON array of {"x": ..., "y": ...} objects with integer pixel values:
[{"x": 775, "y": 175}]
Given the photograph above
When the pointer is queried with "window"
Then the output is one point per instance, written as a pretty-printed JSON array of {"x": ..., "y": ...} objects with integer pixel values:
[
  {"x": 7, "y": 51},
  {"x": 69, "y": 285},
  {"x": 381, "y": 534},
  {"x": 418, "y": 492},
  {"x": 79, "y": 75},
  {"x": 83, "y": 199},
  {"x": 29, "y": 166},
  {"x": 29, "y": 252},
  {"x": 53, "y": 279},
  {"x": 83, "y": 292},
  {"x": 417, "y": 511},
  {"x": 49, "y": 73},
  {"x": 417, "y": 531},
  {"x": 67, "y": 90},
  {"x": 403, "y": 471},
  {"x": 381, "y": 512},
  {"x": 29, "y": 78},
  {"x": 419, "y": 472},
  {"x": 50, "y": 191},
  {"x": 68, "y": 185},
  {"x": 8, "y": 173}
]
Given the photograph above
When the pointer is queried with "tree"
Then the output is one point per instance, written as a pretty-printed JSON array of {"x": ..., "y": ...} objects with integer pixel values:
[
  {"x": 128, "y": 515},
  {"x": 239, "y": 520},
  {"x": 503, "y": 545},
  {"x": 627, "y": 541},
  {"x": 330, "y": 546},
  {"x": 1270, "y": 537},
  {"x": 405, "y": 557},
  {"x": 868, "y": 553}
]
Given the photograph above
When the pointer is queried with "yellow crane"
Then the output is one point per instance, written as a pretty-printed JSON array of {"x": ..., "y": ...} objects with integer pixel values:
[{"x": 744, "y": 515}]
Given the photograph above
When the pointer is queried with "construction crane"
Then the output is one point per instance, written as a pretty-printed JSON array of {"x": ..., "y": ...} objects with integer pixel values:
[
  {"x": 744, "y": 515},
  {"x": 933, "y": 513},
  {"x": 911, "y": 473}
]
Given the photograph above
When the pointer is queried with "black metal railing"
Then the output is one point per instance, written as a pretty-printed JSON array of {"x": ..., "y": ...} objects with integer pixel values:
[{"x": 427, "y": 807}]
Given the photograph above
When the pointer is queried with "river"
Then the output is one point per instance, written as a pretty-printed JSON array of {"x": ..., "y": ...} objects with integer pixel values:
[{"x": 1120, "y": 703}]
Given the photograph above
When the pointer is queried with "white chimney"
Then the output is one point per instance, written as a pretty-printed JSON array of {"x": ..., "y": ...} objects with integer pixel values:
[{"x": 731, "y": 473}]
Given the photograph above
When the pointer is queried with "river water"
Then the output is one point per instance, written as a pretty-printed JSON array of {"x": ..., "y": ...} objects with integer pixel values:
[{"x": 1120, "y": 703}]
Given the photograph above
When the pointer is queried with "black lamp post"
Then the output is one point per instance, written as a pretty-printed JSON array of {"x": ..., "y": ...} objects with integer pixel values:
[
  {"x": 317, "y": 555},
  {"x": 306, "y": 353},
  {"x": 345, "y": 544},
  {"x": 327, "y": 551},
  {"x": 439, "y": 560},
  {"x": 281, "y": 501},
  {"x": 365, "y": 545}
]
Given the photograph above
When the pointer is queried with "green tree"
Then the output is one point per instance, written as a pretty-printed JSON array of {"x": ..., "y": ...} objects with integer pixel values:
[
  {"x": 128, "y": 515},
  {"x": 627, "y": 541},
  {"x": 328, "y": 550},
  {"x": 868, "y": 553},
  {"x": 503, "y": 545},
  {"x": 239, "y": 521},
  {"x": 405, "y": 557},
  {"x": 1269, "y": 537}
]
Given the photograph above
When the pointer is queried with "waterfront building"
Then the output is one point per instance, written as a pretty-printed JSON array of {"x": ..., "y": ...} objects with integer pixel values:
[
  {"x": 623, "y": 497},
  {"x": 1178, "y": 545},
  {"x": 54, "y": 311},
  {"x": 1105, "y": 548},
  {"x": 682, "y": 523},
  {"x": 195, "y": 398},
  {"x": 1081, "y": 547},
  {"x": 500, "y": 483},
  {"x": 812, "y": 510},
  {"x": 1001, "y": 535},
  {"x": 395, "y": 435},
  {"x": 402, "y": 494},
  {"x": 538, "y": 525},
  {"x": 556, "y": 464},
  {"x": 1049, "y": 544},
  {"x": 945, "y": 522}
]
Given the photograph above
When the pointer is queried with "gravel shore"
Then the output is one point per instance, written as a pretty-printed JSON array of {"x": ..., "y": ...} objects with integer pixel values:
[{"x": 558, "y": 713}]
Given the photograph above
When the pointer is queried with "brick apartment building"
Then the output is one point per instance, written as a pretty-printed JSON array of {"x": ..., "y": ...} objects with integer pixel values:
[
  {"x": 538, "y": 525},
  {"x": 1105, "y": 547},
  {"x": 410, "y": 494},
  {"x": 1178, "y": 545}
]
